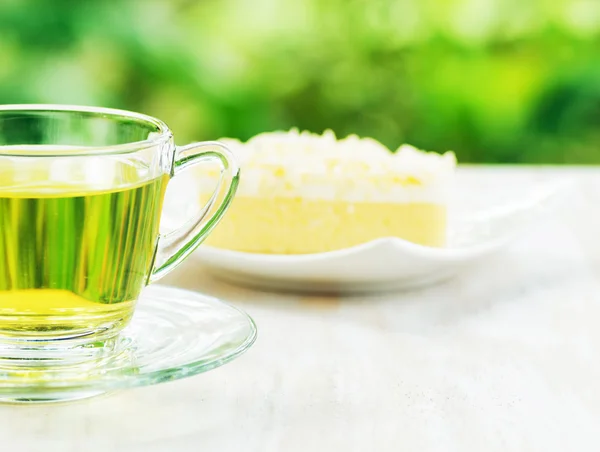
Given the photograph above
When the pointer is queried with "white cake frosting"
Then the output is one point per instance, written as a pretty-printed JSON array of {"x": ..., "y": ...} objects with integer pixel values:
[{"x": 312, "y": 166}]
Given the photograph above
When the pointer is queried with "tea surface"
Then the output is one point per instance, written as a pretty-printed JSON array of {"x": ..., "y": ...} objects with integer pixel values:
[{"x": 74, "y": 259}]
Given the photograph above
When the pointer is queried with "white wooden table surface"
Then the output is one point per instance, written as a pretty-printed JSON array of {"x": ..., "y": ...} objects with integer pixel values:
[{"x": 504, "y": 357}]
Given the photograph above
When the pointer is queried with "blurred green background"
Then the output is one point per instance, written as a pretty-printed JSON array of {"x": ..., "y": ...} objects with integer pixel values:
[{"x": 494, "y": 80}]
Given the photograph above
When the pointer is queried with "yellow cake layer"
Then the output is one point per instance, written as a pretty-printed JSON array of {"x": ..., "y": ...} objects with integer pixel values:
[{"x": 300, "y": 226}]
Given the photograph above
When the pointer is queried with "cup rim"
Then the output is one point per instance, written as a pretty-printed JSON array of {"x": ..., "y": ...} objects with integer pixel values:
[{"x": 164, "y": 134}]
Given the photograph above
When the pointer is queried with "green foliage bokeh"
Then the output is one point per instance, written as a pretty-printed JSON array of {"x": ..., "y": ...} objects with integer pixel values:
[{"x": 494, "y": 80}]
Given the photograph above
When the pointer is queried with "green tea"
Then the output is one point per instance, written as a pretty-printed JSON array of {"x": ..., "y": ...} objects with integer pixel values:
[{"x": 74, "y": 261}]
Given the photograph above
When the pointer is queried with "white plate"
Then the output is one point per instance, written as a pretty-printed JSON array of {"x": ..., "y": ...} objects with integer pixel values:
[{"x": 488, "y": 215}]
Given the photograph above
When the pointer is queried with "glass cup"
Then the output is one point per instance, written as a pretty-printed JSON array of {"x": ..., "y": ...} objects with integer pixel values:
[{"x": 81, "y": 196}]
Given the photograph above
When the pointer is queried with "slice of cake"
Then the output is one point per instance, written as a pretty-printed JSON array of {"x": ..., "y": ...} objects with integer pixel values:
[{"x": 306, "y": 193}]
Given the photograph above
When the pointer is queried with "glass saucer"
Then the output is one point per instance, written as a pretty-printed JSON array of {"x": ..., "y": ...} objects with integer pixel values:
[{"x": 174, "y": 334}]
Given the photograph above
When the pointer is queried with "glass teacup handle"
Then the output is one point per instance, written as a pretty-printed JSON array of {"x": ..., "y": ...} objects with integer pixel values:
[{"x": 175, "y": 246}]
